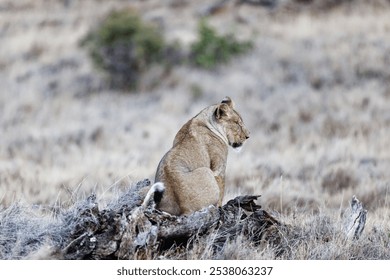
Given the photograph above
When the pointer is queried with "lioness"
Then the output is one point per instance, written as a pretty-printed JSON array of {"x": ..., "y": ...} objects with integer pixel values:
[{"x": 193, "y": 170}]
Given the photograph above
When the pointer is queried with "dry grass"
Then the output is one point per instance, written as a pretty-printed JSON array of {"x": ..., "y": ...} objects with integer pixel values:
[{"x": 314, "y": 92}]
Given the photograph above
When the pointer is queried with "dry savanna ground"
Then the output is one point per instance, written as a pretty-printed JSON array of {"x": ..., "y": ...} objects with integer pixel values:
[{"x": 314, "y": 91}]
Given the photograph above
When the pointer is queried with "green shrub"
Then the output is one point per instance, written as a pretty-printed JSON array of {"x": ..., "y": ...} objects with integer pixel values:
[
  {"x": 212, "y": 49},
  {"x": 125, "y": 46}
]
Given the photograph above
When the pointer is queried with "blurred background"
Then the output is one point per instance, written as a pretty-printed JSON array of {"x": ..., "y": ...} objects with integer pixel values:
[{"x": 93, "y": 92}]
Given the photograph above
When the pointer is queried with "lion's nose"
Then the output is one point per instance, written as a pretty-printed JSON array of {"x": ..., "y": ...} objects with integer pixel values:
[{"x": 247, "y": 136}]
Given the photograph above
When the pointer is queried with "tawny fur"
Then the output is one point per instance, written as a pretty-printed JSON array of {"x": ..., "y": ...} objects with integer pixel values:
[{"x": 193, "y": 170}]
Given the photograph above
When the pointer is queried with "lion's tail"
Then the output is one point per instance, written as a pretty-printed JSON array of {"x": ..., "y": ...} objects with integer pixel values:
[{"x": 156, "y": 191}]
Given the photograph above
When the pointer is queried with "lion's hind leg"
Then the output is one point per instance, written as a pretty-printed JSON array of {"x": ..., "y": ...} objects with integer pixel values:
[{"x": 199, "y": 189}]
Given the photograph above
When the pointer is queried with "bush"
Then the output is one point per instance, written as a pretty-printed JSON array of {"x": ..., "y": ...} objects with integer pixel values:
[
  {"x": 125, "y": 46},
  {"x": 212, "y": 49}
]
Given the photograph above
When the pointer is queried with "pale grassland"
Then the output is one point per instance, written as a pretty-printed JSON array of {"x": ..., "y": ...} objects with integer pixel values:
[{"x": 314, "y": 92}]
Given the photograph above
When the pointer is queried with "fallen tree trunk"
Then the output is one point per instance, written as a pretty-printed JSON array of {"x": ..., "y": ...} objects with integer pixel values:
[
  {"x": 141, "y": 233},
  {"x": 129, "y": 228}
]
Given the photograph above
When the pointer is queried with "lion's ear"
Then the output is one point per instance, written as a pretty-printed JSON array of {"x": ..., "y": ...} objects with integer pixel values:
[
  {"x": 221, "y": 111},
  {"x": 227, "y": 100}
]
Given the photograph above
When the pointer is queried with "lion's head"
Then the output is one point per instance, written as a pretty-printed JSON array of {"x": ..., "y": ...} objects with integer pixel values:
[{"x": 231, "y": 123}]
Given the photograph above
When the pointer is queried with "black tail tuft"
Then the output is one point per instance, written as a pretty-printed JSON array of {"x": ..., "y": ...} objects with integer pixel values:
[{"x": 158, "y": 192}]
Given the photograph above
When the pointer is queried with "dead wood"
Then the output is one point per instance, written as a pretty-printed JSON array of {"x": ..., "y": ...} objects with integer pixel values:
[
  {"x": 142, "y": 233},
  {"x": 354, "y": 219},
  {"x": 130, "y": 227}
]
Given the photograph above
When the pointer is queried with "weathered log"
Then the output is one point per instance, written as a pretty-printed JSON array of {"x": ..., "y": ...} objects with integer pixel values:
[
  {"x": 143, "y": 232},
  {"x": 354, "y": 219},
  {"x": 130, "y": 227}
]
